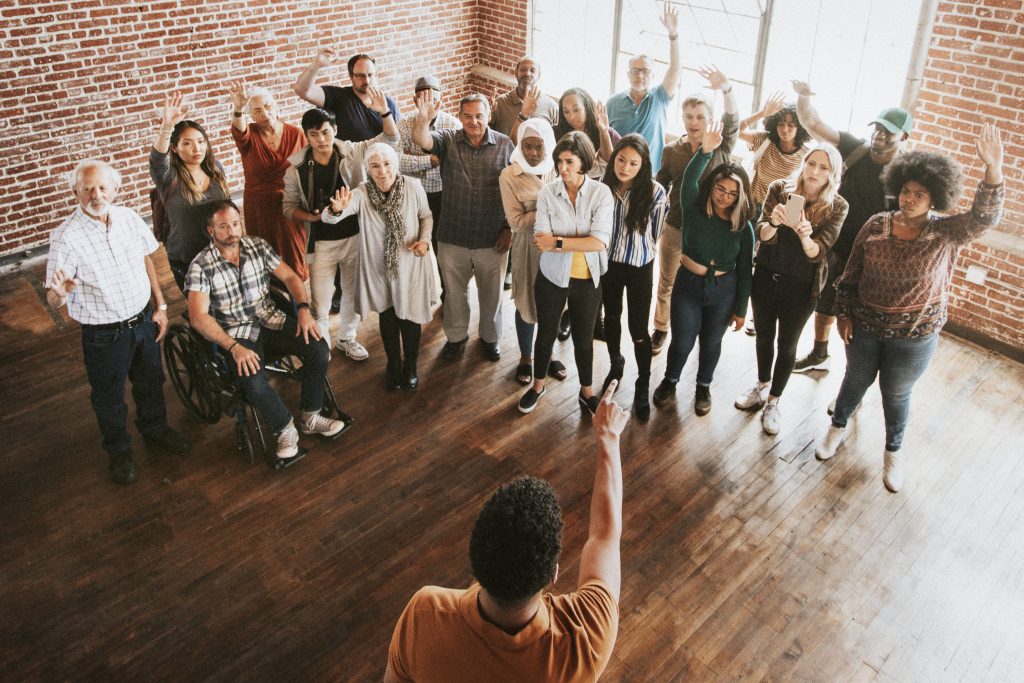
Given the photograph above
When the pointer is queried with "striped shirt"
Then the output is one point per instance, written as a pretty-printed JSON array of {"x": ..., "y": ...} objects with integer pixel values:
[
  {"x": 107, "y": 263},
  {"x": 632, "y": 248},
  {"x": 773, "y": 165},
  {"x": 239, "y": 295},
  {"x": 413, "y": 161}
]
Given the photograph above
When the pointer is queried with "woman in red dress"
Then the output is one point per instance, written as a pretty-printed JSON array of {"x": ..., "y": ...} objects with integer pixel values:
[{"x": 265, "y": 146}]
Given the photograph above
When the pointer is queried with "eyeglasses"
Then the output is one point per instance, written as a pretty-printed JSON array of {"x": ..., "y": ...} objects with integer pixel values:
[
  {"x": 639, "y": 72},
  {"x": 726, "y": 193},
  {"x": 364, "y": 77}
]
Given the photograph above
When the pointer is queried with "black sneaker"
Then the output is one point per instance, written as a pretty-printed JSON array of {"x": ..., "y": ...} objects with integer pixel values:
[
  {"x": 618, "y": 364},
  {"x": 702, "y": 400},
  {"x": 658, "y": 341},
  {"x": 529, "y": 400},
  {"x": 813, "y": 361},
  {"x": 589, "y": 404},
  {"x": 664, "y": 394},
  {"x": 451, "y": 349},
  {"x": 122, "y": 468},
  {"x": 641, "y": 403}
]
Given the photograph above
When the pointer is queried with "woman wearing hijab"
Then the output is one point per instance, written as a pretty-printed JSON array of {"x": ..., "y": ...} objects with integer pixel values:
[
  {"x": 397, "y": 274},
  {"x": 530, "y": 169}
]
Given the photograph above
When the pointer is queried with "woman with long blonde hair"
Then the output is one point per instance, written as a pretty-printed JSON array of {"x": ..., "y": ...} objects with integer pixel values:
[{"x": 791, "y": 270}]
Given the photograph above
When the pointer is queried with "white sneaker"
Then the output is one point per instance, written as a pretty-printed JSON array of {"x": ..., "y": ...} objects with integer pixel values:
[
  {"x": 771, "y": 418},
  {"x": 288, "y": 442},
  {"x": 754, "y": 398},
  {"x": 318, "y": 424},
  {"x": 833, "y": 437},
  {"x": 353, "y": 349},
  {"x": 892, "y": 470}
]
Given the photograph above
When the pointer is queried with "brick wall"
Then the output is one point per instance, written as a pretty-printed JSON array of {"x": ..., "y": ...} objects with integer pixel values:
[
  {"x": 975, "y": 73},
  {"x": 84, "y": 78}
]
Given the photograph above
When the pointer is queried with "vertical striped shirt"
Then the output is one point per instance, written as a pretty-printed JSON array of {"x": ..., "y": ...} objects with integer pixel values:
[
  {"x": 772, "y": 165},
  {"x": 632, "y": 248}
]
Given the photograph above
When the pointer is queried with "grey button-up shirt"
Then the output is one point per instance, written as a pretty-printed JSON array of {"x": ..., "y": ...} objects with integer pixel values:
[{"x": 471, "y": 209}]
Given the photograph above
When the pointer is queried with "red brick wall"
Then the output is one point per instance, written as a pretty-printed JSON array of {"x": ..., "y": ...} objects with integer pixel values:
[
  {"x": 83, "y": 79},
  {"x": 975, "y": 73}
]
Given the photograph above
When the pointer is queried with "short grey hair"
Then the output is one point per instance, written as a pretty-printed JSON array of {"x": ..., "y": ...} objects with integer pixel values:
[
  {"x": 475, "y": 97},
  {"x": 260, "y": 92},
  {"x": 380, "y": 149},
  {"x": 82, "y": 166}
]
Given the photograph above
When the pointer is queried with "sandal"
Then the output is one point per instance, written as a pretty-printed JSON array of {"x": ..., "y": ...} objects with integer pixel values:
[
  {"x": 524, "y": 374},
  {"x": 557, "y": 371}
]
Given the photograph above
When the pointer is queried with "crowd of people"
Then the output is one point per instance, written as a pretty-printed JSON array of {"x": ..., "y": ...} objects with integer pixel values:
[{"x": 579, "y": 199}]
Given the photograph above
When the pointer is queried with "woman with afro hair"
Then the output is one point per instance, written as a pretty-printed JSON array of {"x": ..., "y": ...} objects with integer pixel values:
[
  {"x": 891, "y": 299},
  {"x": 778, "y": 149}
]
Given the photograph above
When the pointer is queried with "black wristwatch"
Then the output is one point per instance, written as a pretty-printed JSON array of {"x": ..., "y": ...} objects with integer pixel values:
[
  {"x": 304, "y": 304},
  {"x": 558, "y": 244}
]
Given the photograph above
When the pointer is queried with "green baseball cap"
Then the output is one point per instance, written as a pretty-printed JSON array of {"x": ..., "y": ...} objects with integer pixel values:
[{"x": 895, "y": 120}]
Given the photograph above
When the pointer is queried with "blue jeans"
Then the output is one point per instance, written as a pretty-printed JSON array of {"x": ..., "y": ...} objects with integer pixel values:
[
  {"x": 699, "y": 310},
  {"x": 898, "y": 364},
  {"x": 524, "y": 334},
  {"x": 257, "y": 388},
  {"x": 111, "y": 356}
]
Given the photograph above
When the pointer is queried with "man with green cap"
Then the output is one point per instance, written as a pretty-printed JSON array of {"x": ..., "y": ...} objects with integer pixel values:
[{"x": 861, "y": 187}]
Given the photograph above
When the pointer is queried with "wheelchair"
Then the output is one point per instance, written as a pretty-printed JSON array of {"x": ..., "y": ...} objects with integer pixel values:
[{"x": 204, "y": 380}]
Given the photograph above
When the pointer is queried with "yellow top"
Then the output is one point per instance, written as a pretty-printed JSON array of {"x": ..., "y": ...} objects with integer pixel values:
[{"x": 580, "y": 269}]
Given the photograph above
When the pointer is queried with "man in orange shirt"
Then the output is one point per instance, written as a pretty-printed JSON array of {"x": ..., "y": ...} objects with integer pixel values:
[{"x": 505, "y": 628}]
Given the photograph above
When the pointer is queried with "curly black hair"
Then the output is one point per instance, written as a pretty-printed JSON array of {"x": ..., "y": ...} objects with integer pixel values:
[
  {"x": 517, "y": 540},
  {"x": 941, "y": 176},
  {"x": 771, "y": 125}
]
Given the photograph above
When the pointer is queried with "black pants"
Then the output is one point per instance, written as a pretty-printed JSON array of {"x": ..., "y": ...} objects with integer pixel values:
[
  {"x": 583, "y": 299},
  {"x": 434, "y": 202},
  {"x": 638, "y": 284},
  {"x": 784, "y": 303},
  {"x": 399, "y": 335}
]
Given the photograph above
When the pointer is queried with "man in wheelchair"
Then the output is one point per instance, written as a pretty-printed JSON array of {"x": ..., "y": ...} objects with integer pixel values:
[{"x": 229, "y": 303}]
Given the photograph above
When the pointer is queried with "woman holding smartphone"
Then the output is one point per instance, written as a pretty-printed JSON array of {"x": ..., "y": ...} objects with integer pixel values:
[
  {"x": 799, "y": 224},
  {"x": 572, "y": 231}
]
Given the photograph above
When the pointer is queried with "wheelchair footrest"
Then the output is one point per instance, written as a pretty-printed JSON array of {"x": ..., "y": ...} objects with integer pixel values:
[
  {"x": 277, "y": 463},
  {"x": 346, "y": 419}
]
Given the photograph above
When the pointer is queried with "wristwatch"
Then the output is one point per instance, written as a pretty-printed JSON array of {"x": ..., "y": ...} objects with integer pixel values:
[
  {"x": 304, "y": 304},
  {"x": 162, "y": 307},
  {"x": 558, "y": 244},
  {"x": 521, "y": 117},
  {"x": 386, "y": 114}
]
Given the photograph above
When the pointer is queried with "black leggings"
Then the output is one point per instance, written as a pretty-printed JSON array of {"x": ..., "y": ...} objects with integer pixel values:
[
  {"x": 584, "y": 299},
  {"x": 396, "y": 334},
  {"x": 638, "y": 284},
  {"x": 788, "y": 304}
]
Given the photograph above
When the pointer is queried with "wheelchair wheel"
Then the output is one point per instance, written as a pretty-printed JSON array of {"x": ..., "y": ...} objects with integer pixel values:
[
  {"x": 192, "y": 374},
  {"x": 245, "y": 444}
]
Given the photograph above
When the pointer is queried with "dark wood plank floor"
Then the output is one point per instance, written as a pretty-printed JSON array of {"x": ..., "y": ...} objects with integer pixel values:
[{"x": 743, "y": 557}]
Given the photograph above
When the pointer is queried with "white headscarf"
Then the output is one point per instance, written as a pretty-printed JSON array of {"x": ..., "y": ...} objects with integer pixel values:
[{"x": 535, "y": 128}]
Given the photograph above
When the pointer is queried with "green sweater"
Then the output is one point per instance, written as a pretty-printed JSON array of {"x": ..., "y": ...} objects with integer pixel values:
[{"x": 711, "y": 242}]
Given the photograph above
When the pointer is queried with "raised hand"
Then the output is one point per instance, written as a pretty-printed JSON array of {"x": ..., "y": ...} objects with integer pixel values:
[
  {"x": 670, "y": 18},
  {"x": 600, "y": 115},
  {"x": 237, "y": 91},
  {"x": 990, "y": 146},
  {"x": 174, "y": 111},
  {"x": 717, "y": 80},
  {"x": 425, "y": 105},
  {"x": 712, "y": 136},
  {"x": 773, "y": 103},
  {"x": 341, "y": 199},
  {"x": 802, "y": 88},
  {"x": 325, "y": 56},
  {"x": 378, "y": 102},
  {"x": 530, "y": 99}
]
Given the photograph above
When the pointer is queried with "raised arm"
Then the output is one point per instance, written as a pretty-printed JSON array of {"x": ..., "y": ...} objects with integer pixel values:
[
  {"x": 409, "y": 163},
  {"x": 379, "y": 103},
  {"x": 173, "y": 112},
  {"x": 771, "y": 105},
  {"x": 600, "y": 559},
  {"x": 421, "y": 127},
  {"x": 306, "y": 87},
  {"x": 987, "y": 208},
  {"x": 670, "y": 20},
  {"x": 601, "y": 119},
  {"x": 809, "y": 117}
]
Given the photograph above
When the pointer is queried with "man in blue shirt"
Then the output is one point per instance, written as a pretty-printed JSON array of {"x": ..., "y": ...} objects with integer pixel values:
[{"x": 640, "y": 109}]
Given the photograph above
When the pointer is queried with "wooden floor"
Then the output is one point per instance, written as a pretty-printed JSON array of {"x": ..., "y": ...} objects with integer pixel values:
[{"x": 743, "y": 557}]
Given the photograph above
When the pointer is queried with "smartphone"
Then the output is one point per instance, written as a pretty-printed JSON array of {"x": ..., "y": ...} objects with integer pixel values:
[{"x": 794, "y": 207}]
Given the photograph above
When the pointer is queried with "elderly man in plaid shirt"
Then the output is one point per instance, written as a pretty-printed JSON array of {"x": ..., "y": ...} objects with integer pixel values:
[
  {"x": 228, "y": 287},
  {"x": 100, "y": 265}
]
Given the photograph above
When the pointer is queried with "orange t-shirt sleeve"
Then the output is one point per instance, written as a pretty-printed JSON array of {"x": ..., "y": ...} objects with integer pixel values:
[
  {"x": 401, "y": 640},
  {"x": 598, "y": 613}
]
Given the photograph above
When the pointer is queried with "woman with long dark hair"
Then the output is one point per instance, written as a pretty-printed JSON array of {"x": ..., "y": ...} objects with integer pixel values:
[
  {"x": 577, "y": 110},
  {"x": 189, "y": 179},
  {"x": 792, "y": 258},
  {"x": 713, "y": 284},
  {"x": 891, "y": 298},
  {"x": 640, "y": 208}
]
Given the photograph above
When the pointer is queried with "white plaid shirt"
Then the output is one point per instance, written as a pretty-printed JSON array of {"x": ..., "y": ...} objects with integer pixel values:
[
  {"x": 239, "y": 295},
  {"x": 107, "y": 263},
  {"x": 413, "y": 161}
]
